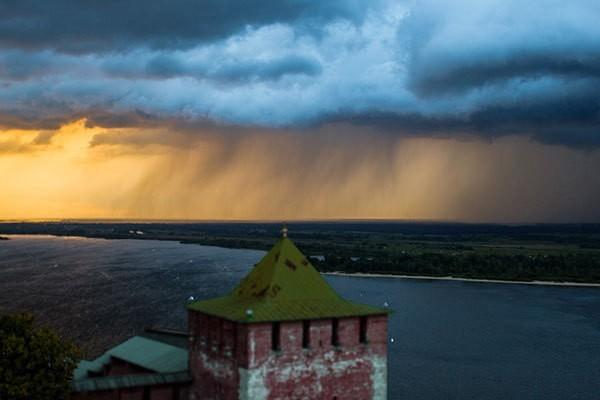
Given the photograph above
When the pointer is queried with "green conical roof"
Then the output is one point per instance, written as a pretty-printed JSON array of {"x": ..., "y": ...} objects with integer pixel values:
[{"x": 283, "y": 286}]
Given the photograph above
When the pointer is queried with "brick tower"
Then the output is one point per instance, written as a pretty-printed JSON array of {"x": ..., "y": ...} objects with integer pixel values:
[{"x": 284, "y": 333}]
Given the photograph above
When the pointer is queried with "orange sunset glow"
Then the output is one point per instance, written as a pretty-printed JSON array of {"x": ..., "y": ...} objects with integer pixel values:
[{"x": 338, "y": 172}]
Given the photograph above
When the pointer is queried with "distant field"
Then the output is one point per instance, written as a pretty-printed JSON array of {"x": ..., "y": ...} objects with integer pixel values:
[{"x": 569, "y": 252}]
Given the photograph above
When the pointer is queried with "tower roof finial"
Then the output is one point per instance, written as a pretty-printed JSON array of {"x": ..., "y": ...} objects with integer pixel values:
[{"x": 284, "y": 230}]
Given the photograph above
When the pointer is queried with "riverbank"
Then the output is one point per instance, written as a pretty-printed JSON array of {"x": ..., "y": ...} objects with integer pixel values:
[
  {"x": 353, "y": 274},
  {"x": 504, "y": 254},
  {"x": 451, "y": 278}
]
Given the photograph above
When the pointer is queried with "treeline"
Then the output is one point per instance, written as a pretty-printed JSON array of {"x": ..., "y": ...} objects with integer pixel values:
[{"x": 576, "y": 267}]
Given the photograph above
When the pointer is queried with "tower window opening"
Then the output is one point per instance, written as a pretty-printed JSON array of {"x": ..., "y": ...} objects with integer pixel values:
[
  {"x": 276, "y": 336},
  {"x": 305, "y": 334},
  {"x": 362, "y": 331},
  {"x": 335, "y": 339}
]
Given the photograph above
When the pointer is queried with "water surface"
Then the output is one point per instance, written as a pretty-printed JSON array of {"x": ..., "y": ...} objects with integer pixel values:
[{"x": 451, "y": 340}]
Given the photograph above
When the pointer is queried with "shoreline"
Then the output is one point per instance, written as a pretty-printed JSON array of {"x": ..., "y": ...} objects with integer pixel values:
[
  {"x": 451, "y": 278},
  {"x": 335, "y": 273}
]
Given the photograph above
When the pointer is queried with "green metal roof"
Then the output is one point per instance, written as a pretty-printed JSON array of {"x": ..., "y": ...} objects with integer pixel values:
[
  {"x": 85, "y": 367},
  {"x": 151, "y": 354},
  {"x": 283, "y": 286},
  {"x": 146, "y": 353},
  {"x": 128, "y": 381}
]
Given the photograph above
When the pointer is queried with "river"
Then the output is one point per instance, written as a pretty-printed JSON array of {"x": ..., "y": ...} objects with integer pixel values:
[{"x": 448, "y": 339}]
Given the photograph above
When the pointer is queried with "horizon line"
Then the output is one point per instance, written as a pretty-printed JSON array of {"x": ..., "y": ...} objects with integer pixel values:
[{"x": 283, "y": 220}]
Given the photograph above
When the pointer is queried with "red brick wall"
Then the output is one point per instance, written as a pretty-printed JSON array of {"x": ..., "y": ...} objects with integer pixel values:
[
  {"x": 377, "y": 334},
  {"x": 324, "y": 371},
  {"x": 320, "y": 335},
  {"x": 215, "y": 351},
  {"x": 347, "y": 371},
  {"x": 290, "y": 337},
  {"x": 259, "y": 344},
  {"x": 348, "y": 332}
]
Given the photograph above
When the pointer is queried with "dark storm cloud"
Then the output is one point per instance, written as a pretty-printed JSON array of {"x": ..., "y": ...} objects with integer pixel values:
[
  {"x": 273, "y": 69},
  {"x": 530, "y": 68},
  {"x": 93, "y": 26},
  {"x": 163, "y": 66},
  {"x": 135, "y": 118},
  {"x": 486, "y": 67},
  {"x": 459, "y": 46},
  {"x": 15, "y": 119},
  {"x": 572, "y": 121},
  {"x": 459, "y": 77},
  {"x": 17, "y": 65}
]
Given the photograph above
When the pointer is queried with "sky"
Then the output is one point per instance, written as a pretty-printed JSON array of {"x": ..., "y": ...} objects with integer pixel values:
[{"x": 477, "y": 111}]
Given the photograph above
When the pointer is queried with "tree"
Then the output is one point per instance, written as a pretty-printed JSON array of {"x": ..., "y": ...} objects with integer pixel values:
[{"x": 35, "y": 363}]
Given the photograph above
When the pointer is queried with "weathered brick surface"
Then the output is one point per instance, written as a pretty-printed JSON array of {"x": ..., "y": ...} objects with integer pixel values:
[
  {"x": 291, "y": 337},
  {"x": 348, "y": 332},
  {"x": 247, "y": 367},
  {"x": 377, "y": 334},
  {"x": 215, "y": 352},
  {"x": 259, "y": 344},
  {"x": 320, "y": 334}
]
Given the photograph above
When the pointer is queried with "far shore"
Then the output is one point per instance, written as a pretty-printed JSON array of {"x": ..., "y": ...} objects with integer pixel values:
[
  {"x": 451, "y": 278},
  {"x": 336, "y": 273}
]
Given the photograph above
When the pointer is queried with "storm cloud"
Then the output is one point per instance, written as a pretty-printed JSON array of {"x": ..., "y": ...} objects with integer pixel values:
[
  {"x": 426, "y": 68},
  {"x": 90, "y": 27}
]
